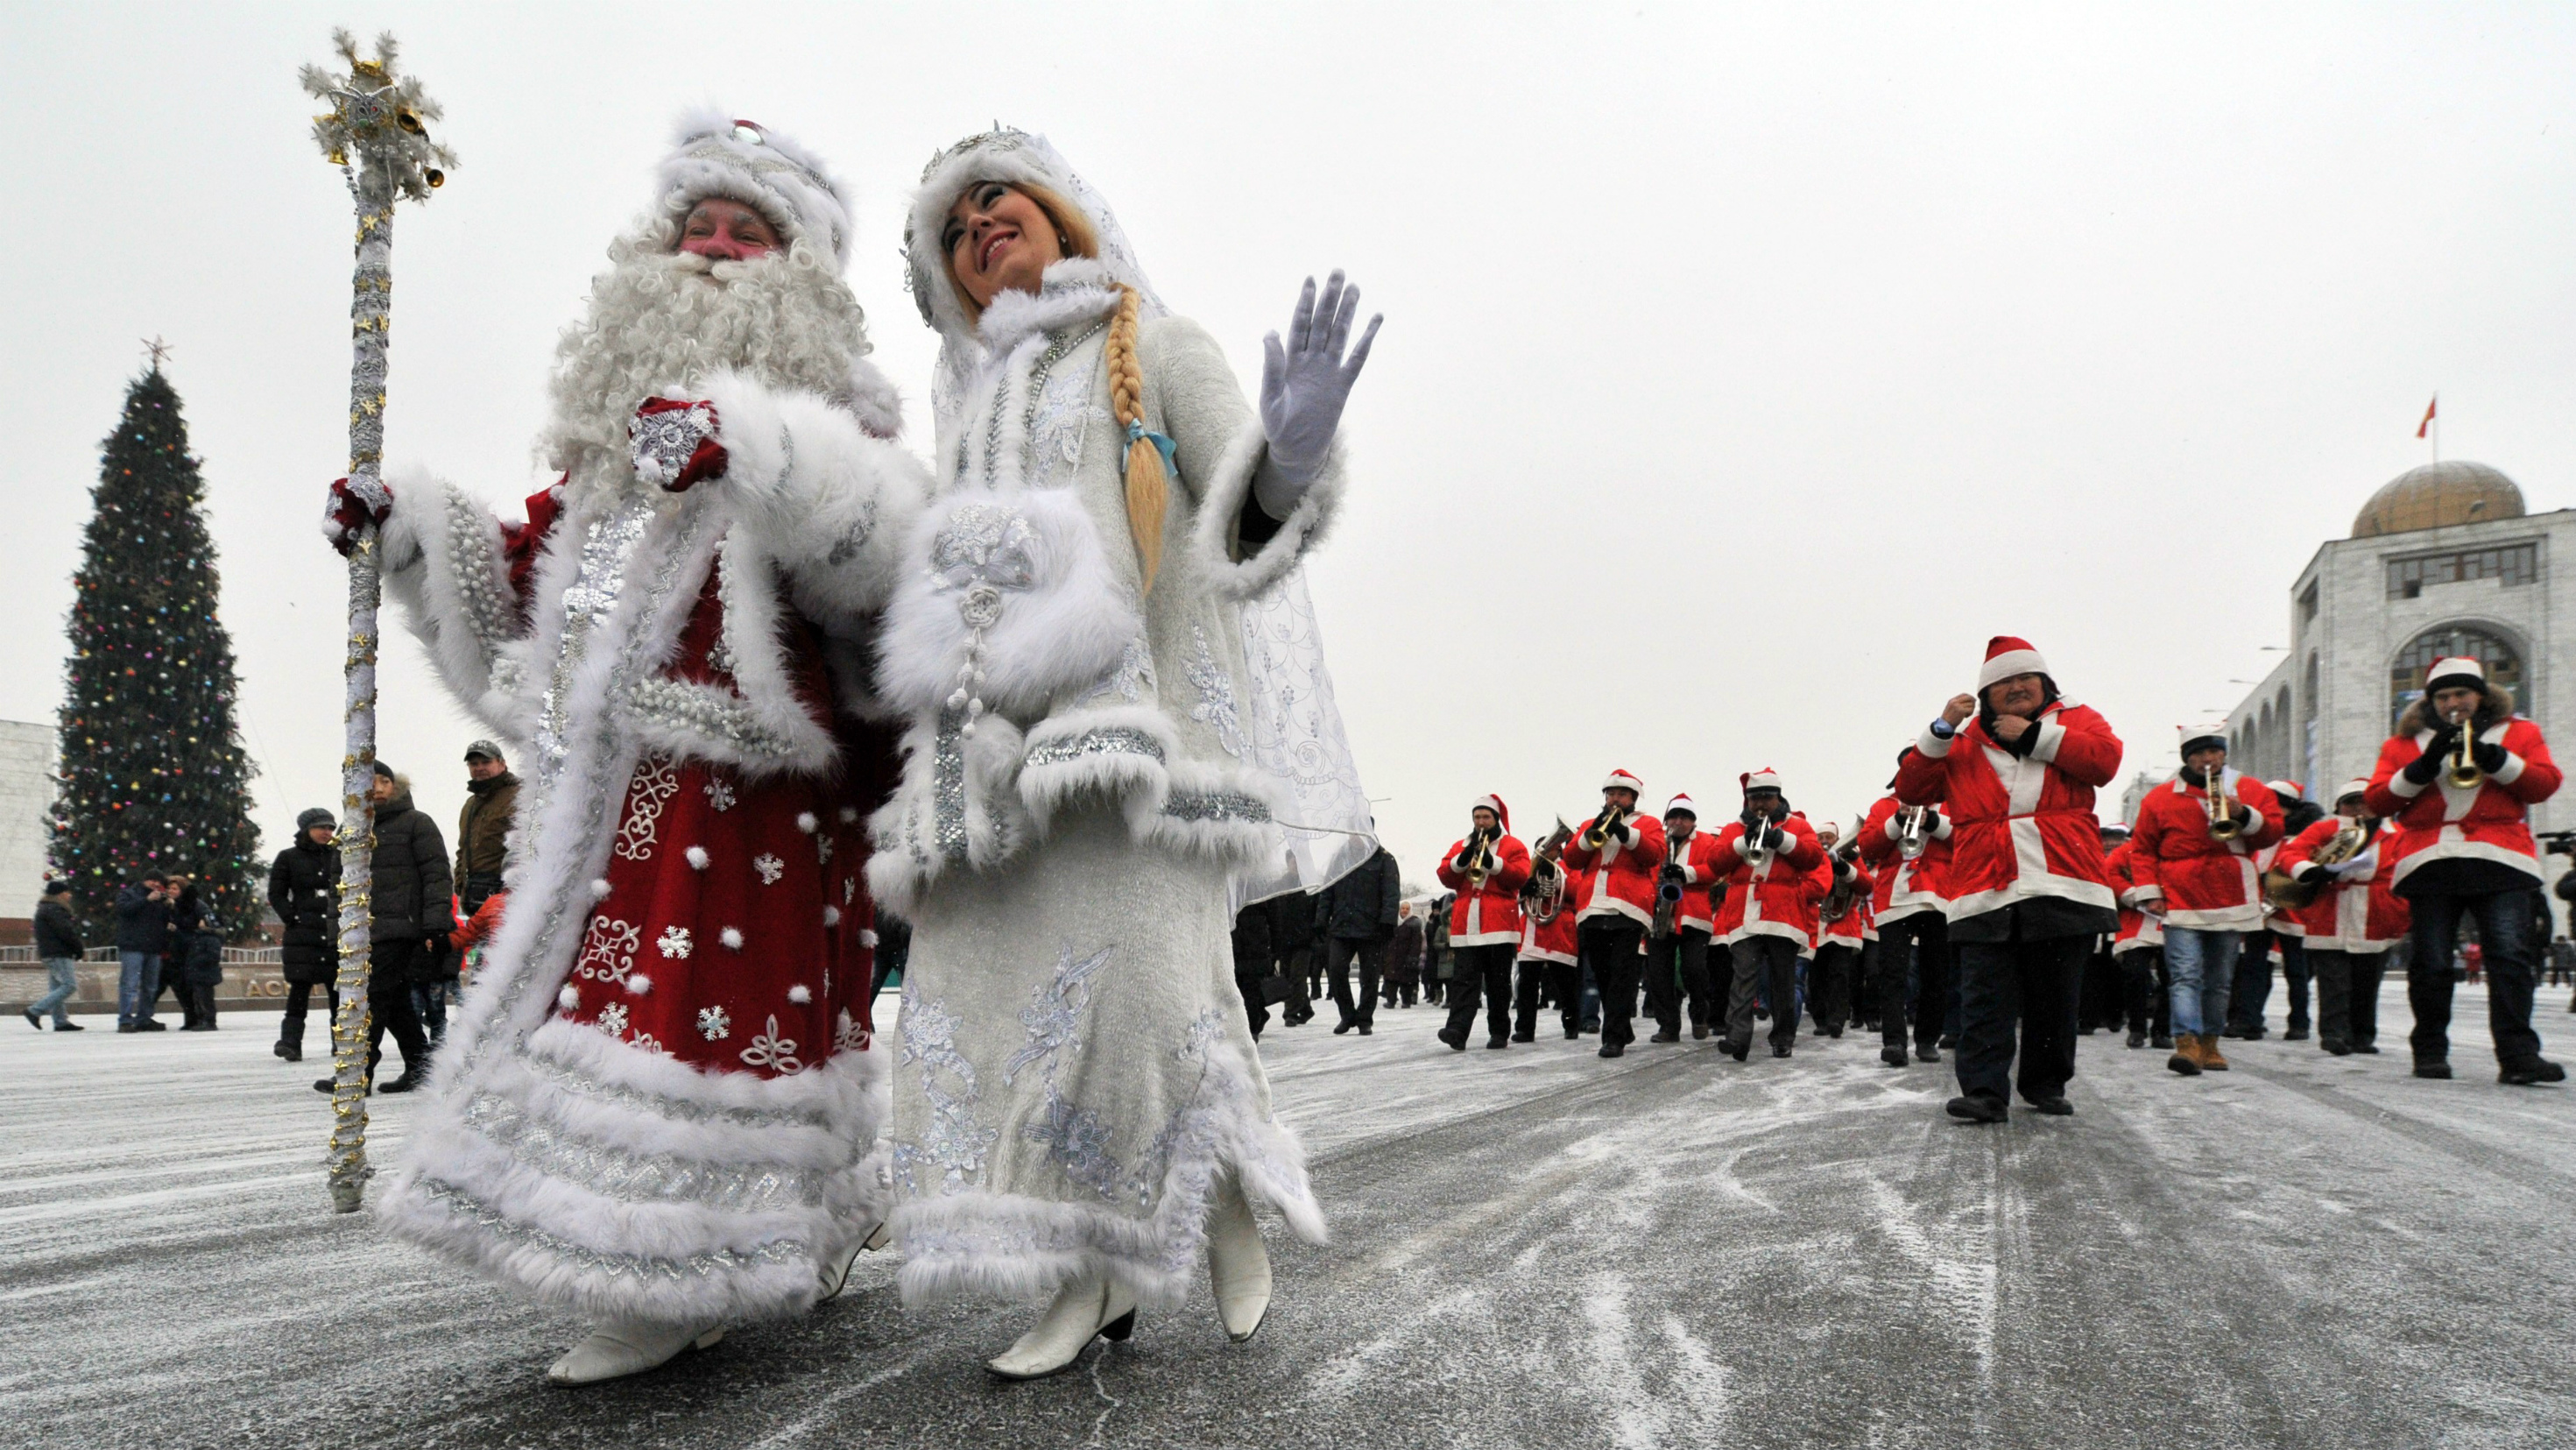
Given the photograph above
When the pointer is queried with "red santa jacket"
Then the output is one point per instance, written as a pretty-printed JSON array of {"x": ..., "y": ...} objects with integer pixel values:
[
  {"x": 2023, "y": 825},
  {"x": 1493, "y": 914},
  {"x": 1776, "y": 898},
  {"x": 2491, "y": 822},
  {"x": 1699, "y": 872},
  {"x": 1553, "y": 942},
  {"x": 2138, "y": 930},
  {"x": 1903, "y": 887},
  {"x": 2202, "y": 881},
  {"x": 2356, "y": 910},
  {"x": 1853, "y": 926},
  {"x": 1620, "y": 877}
]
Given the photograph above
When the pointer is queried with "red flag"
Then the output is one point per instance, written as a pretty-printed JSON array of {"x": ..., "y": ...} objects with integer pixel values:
[{"x": 2428, "y": 415}]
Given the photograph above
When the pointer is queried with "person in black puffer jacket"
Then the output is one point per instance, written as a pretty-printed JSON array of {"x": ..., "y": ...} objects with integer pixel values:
[
  {"x": 412, "y": 907},
  {"x": 191, "y": 917},
  {"x": 304, "y": 889}
]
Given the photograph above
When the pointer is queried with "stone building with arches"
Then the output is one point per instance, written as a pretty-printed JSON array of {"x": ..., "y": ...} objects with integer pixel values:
[{"x": 2443, "y": 560}]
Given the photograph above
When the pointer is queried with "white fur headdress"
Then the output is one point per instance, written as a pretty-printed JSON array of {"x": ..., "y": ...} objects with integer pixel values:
[{"x": 713, "y": 154}]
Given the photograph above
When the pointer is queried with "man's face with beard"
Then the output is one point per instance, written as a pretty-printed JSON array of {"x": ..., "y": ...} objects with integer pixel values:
[{"x": 681, "y": 302}]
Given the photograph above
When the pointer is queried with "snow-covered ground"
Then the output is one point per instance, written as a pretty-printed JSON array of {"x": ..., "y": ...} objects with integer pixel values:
[{"x": 1532, "y": 1248}]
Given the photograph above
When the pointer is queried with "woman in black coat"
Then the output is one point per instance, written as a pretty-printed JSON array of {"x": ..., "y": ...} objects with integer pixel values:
[
  {"x": 304, "y": 889},
  {"x": 195, "y": 959}
]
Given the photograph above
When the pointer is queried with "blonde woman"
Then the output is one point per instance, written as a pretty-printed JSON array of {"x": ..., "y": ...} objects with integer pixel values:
[{"x": 1098, "y": 761}]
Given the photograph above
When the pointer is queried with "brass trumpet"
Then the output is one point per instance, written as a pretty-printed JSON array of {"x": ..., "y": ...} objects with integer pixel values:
[
  {"x": 1755, "y": 855},
  {"x": 1597, "y": 835},
  {"x": 1476, "y": 862},
  {"x": 2224, "y": 824},
  {"x": 2464, "y": 773},
  {"x": 1911, "y": 839}
]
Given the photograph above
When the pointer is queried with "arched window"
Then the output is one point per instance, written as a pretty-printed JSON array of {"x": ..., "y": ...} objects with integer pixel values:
[
  {"x": 2309, "y": 773},
  {"x": 2284, "y": 749},
  {"x": 2406, "y": 674},
  {"x": 2259, "y": 763}
]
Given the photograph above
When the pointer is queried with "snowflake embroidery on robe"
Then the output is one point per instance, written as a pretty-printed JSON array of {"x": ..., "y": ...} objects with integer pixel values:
[
  {"x": 713, "y": 1022},
  {"x": 822, "y": 849},
  {"x": 719, "y": 794},
  {"x": 608, "y": 950},
  {"x": 1216, "y": 707},
  {"x": 675, "y": 942},
  {"x": 612, "y": 1019},
  {"x": 657, "y": 779},
  {"x": 1054, "y": 1019},
  {"x": 848, "y": 1035},
  {"x": 769, "y": 867},
  {"x": 772, "y": 1051},
  {"x": 849, "y": 889}
]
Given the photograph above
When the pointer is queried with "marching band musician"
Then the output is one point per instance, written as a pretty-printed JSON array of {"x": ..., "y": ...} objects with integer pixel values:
[
  {"x": 2139, "y": 948},
  {"x": 1548, "y": 963},
  {"x": 2192, "y": 858},
  {"x": 2351, "y": 921},
  {"x": 2459, "y": 779},
  {"x": 1842, "y": 917},
  {"x": 2245, "y": 1012},
  {"x": 1621, "y": 853},
  {"x": 1487, "y": 869},
  {"x": 2015, "y": 766},
  {"x": 1909, "y": 849},
  {"x": 1767, "y": 916},
  {"x": 1677, "y": 959}
]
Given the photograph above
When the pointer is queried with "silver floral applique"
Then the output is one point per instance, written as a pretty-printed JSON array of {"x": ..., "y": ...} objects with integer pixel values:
[
  {"x": 1077, "y": 1141},
  {"x": 656, "y": 781},
  {"x": 848, "y": 1035},
  {"x": 772, "y": 1051},
  {"x": 1129, "y": 680},
  {"x": 608, "y": 950},
  {"x": 983, "y": 552},
  {"x": 954, "y": 1146},
  {"x": 1054, "y": 1019},
  {"x": 1216, "y": 707}
]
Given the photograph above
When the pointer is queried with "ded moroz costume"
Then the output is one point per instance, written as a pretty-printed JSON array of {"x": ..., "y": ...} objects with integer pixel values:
[{"x": 660, "y": 1101}]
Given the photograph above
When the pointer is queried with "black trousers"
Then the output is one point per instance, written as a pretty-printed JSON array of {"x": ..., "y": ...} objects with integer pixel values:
[
  {"x": 1677, "y": 967},
  {"x": 1536, "y": 979},
  {"x": 2025, "y": 990},
  {"x": 1608, "y": 946},
  {"x": 290, "y": 1027},
  {"x": 2505, "y": 931},
  {"x": 2150, "y": 994},
  {"x": 1926, "y": 936},
  {"x": 2103, "y": 1002},
  {"x": 1367, "y": 954},
  {"x": 1248, "y": 973},
  {"x": 2348, "y": 995},
  {"x": 389, "y": 1007},
  {"x": 1482, "y": 971},
  {"x": 1829, "y": 986},
  {"x": 1763, "y": 963},
  {"x": 200, "y": 1000}
]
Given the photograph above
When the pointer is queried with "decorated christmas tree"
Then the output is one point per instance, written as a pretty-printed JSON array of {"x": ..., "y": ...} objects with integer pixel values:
[{"x": 152, "y": 776}]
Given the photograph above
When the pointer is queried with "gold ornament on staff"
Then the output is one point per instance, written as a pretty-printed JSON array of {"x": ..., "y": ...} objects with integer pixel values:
[{"x": 377, "y": 134}]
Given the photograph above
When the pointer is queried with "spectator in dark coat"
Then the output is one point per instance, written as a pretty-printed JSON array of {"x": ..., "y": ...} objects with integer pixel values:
[
  {"x": 1358, "y": 915},
  {"x": 142, "y": 935},
  {"x": 483, "y": 827},
  {"x": 1252, "y": 961},
  {"x": 1404, "y": 958},
  {"x": 58, "y": 946},
  {"x": 194, "y": 964},
  {"x": 1292, "y": 954},
  {"x": 1436, "y": 960},
  {"x": 304, "y": 890},
  {"x": 412, "y": 907}
]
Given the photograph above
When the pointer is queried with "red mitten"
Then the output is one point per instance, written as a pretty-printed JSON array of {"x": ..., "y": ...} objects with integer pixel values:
[
  {"x": 350, "y": 509},
  {"x": 673, "y": 443}
]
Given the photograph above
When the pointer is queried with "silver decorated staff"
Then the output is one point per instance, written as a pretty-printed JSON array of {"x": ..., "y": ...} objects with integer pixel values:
[{"x": 377, "y": 133}]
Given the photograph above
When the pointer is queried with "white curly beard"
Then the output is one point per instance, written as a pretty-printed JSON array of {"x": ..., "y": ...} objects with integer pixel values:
[{"x": 660, "y": 322}]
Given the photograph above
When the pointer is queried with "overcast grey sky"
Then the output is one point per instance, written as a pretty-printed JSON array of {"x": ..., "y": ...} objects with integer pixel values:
[{"x": 1744, "y": 368}]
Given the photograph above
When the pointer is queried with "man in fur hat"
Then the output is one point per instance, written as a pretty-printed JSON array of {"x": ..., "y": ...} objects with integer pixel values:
[
  {"x": 2459, "y": 779},
  {"x": 662, "y": 1090}
]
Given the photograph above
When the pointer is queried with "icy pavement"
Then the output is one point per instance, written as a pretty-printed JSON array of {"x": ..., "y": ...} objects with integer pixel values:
[{"x": 1531, "y": 1248}]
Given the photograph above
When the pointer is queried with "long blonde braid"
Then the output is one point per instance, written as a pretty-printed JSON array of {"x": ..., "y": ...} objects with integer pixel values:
[{"x": 1149, "y": 489}]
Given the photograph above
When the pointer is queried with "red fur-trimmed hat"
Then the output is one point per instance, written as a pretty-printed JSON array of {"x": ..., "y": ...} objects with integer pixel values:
[
  {"x": 1764, "y": 779},
  {"x": 2007, "y": 656},
  {"x": 1681, "y": 804},
  {"x": 1494, "y": 803},
  {"x": 1622, "y": 780}
]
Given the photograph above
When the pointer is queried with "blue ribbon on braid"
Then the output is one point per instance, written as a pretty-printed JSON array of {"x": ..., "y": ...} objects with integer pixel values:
[{"x": 1162, "y": 444}]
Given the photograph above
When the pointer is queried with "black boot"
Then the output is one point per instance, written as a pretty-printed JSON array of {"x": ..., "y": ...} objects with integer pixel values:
[{"x": 1978, "y": 1108}]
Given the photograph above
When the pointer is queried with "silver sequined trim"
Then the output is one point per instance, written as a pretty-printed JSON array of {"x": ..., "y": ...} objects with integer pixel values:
[
  {"x": 1100, "y": 740},
  {"x": 641, "y": 1177},
  {"x": 618, "y": 1266}
]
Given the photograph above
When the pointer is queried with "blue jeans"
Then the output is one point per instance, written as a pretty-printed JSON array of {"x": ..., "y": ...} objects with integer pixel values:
[
  {"x": 2504, "y": 928},
  {"x": 62, "y": 978},
  {"x": 138, "y": 982},
  {"x": 2202, "y": 967}
]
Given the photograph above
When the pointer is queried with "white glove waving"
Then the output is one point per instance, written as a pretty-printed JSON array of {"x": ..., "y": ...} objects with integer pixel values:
[{"x": 1304, "y": 384}]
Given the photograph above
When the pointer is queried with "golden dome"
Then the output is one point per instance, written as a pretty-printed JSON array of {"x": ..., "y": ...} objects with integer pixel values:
[{"x": 2438, "y": 494}]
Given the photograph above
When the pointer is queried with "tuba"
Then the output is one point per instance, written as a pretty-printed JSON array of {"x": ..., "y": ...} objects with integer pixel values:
[
  {"x": 1844, "y": 894},
  {"x": 2285, "y": 892},
  {"x": 1544, "y": 895},
  {"x": 1668, "y": 889}
]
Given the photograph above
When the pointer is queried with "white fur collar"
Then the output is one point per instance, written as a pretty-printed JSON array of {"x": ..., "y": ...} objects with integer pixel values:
[{"x": 1076, "y": 289}]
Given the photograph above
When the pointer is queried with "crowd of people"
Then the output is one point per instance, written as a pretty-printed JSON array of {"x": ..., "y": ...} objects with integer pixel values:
[{"x": 1981, "y": 906}]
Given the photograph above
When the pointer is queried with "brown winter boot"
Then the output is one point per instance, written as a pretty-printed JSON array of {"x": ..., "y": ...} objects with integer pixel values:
[
  {"x": 2210, "y": 1060},
  {"x": 2186, "y": 1055}
]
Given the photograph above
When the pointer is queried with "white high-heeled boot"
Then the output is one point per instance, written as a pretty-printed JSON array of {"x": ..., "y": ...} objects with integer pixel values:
[
  {"x": 1238, "y": 1266},
  {"x": 835, "y": 1277},
  {"x": 620, "y": 1347},
  {"x": 1082, "y": 1309}
]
